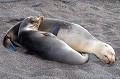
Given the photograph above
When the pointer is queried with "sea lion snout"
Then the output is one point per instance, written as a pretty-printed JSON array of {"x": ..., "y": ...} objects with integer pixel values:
[
  {"x": 35, "y": 19},
  {"x": 110, "y": 59},
  {"x": 111, "y": 54}
]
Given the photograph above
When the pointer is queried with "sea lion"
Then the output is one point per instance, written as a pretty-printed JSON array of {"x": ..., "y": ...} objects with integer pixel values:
[
  {"x": 78, "y": 38},
  {"x": 47, "y": 45}
]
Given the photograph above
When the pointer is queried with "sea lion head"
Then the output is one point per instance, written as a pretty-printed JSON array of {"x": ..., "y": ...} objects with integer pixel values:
[
  {"x": 31, "y": 22},
  {"x": 106, "y": 53}
]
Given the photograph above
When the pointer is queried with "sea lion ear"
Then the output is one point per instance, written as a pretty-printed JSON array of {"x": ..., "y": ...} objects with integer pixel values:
[{"x": 56, "y": 29}]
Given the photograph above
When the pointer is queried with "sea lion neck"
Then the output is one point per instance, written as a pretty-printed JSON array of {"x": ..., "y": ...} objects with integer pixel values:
[{"x": 92, "y": 45}]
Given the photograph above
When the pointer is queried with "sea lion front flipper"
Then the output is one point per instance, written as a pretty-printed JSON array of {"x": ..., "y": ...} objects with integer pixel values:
[
  {"x": 56, "y": 29},
  {"x": 93, "y": 57},
  {"x": 9, "y": 45}
]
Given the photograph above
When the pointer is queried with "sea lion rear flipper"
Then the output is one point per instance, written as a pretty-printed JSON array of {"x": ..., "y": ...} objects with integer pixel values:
[
  {"x": 56, "y": 29},
  {"x": 10, "y": 46}
]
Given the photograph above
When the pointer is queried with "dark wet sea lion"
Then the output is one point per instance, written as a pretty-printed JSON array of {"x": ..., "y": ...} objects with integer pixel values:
[{"x": 46, "y": 44}]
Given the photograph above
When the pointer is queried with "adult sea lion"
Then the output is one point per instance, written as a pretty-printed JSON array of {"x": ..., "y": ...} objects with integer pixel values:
[
  {"x": 78, "y": 38},
  {"x": 46, "y": 45}
]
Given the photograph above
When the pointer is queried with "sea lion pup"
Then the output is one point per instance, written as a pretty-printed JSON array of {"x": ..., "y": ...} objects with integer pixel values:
[
  {"x": 76, "y": 37},
  {"x": 47, "y": 45}
]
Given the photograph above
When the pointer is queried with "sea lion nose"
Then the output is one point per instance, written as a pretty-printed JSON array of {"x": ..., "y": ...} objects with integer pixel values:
[{"x": 112, "y": 60}]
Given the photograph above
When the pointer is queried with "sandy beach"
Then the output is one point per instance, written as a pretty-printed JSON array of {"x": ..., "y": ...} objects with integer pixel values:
[{"x": 100, "y": 17}]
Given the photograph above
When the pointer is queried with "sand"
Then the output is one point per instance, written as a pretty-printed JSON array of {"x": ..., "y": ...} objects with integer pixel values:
[{"x": 100, "y": 17}]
